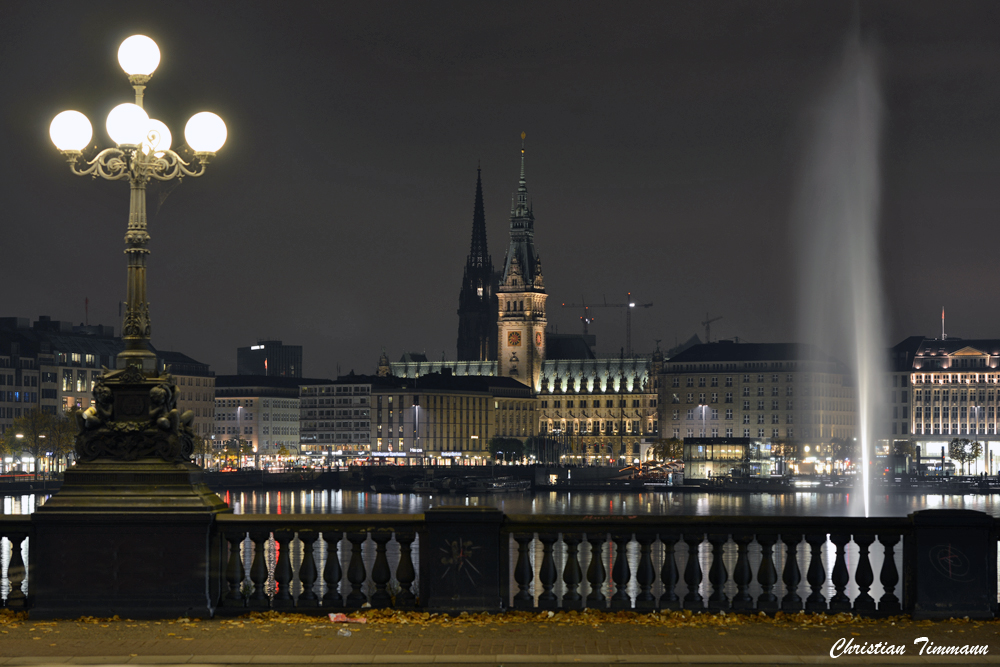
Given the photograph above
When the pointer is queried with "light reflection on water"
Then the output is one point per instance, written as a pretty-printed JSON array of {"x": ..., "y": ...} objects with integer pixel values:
[{"x": 654, "y": 503}]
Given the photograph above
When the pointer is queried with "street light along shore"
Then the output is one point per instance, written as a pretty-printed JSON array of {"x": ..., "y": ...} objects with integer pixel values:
[{"x": 142, "y": 152}]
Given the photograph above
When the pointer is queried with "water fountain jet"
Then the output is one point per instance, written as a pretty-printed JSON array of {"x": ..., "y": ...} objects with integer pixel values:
[{"x": 836, "y": 217}]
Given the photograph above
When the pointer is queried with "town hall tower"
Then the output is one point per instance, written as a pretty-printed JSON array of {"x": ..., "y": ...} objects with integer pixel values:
[{"x": 521, "y": 297}]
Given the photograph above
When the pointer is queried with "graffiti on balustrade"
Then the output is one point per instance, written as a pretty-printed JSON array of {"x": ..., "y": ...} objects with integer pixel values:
[
  {"x": 458, "y": 560},
  {"x": 951, "y": 563}
]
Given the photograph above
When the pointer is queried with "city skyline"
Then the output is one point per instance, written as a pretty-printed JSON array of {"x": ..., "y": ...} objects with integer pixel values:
[{"x": 662, "y": 145}]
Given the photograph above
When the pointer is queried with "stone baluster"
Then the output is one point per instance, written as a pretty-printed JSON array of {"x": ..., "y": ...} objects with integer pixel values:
[
  {"x": 572, "y": 574},
  {"x": 332, "y": 571},
  {"x": 596, "y": 574},
  {"x": 816, "y": 574},
  {"x": 645, "y": 574},
  {"x": 16, "y": 599},
  {"x": 668, "y": 572},
  {"x": 235, "y": 574},
  {"x": 356, "y": 571},
  {"x": 742, "y": 573},
  {"x": 547, "y": 573},
  {"x": 259, "y": 598},
  {"x": 307, "y": 571},
  {"x": 380, "y": 570},
  {"x": 283, "y": 570},
  {"x": 405, "y": 574},
  {"x": 889, "y": 576},
  {"x": 863, "y": 576},
  {"x": 717, "y": 574},
  {"x": 791, "y": 575},
  {"x": 692, "y": 572},
  {"x": 767, "y": 575},
  {"x": 621, "y": 574},
  {"x": 840, "y": 576},
  {"x": 524, "y": 576}
]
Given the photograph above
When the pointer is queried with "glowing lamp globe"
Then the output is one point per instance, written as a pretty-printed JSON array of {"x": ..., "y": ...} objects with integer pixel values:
[
  {"x": 138, "y": 55},
  {"x": 128, "y": 124},
  {"x": 157, "y": 139},
  {"x": 205, "y": 132},
  {"x": 70, "y": 131}
]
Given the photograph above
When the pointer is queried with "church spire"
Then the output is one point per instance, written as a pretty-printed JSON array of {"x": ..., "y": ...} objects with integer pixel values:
[
  {"x": 477, "y": 302},
  {"x": 478, "y": 253}
]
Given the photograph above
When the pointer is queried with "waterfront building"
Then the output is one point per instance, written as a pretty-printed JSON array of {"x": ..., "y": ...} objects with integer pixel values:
[
  {"x": 50, "y": 365},
  {"x": 53, "y": 365},
  {"x": 270, "y": 358},
  {"x": 602, "y": 410},
  {"x": 442, "y": 416},
  {"x": 195, "y": 389},
  {"x": 789, "y": 393},
  {"x": 261, "y": 410},
  {"x": 335, "y": 418},
  {"x": 477, "y": 301},
  {"x": 953, "y": 384},
  {"x": 714, "y": 457}
]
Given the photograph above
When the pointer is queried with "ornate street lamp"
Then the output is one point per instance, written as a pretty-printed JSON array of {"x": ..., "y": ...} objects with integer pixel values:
[
  {"x": 134, "y": 414},
  {"x": 142, "y": 153}
]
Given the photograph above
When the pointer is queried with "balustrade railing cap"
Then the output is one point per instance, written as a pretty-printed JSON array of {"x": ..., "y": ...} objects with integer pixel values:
[
  {"x": 463, "y": 514},
  {"x": 950, "y": 518}
]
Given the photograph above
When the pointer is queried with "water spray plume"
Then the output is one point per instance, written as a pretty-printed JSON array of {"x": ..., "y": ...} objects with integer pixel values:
[{"x": 837, "y": 215}]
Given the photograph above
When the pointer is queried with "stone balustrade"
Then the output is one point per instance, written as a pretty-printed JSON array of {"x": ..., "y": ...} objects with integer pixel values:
[{"x": 936, "y": 563}]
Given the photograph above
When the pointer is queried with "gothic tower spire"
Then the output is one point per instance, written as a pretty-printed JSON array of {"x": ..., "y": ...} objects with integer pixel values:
[
  {"x": 477, "y": 302},
  {"x": 478, "y": 253},
  {"x": 521, "y": 296}
]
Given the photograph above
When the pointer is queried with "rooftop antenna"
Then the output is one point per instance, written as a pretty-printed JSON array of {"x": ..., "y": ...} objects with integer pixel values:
[{"x": 944, "y": 336}]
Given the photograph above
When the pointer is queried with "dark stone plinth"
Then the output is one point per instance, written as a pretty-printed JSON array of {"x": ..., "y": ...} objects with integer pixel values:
[
  {"x": 144, "y": 485},
  {"x": 128, "y": 538},
  {"x": 460, "y": 559},
  {"x": 135, "y": 565},
  {"x": 952, "y": 564}
]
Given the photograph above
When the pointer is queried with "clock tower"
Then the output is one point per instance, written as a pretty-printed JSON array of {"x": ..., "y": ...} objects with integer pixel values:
[{"x": 521, "y": 296}]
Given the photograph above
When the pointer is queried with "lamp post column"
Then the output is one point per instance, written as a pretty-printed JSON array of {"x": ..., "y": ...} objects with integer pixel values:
[{"x": 136, "y": 327}]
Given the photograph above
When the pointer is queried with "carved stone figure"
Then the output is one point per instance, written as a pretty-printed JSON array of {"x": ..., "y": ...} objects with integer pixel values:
[{"x": 101, "y": 412}]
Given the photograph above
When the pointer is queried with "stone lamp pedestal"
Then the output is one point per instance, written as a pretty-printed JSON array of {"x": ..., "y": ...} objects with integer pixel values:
[{"x": 131, "y": 531}]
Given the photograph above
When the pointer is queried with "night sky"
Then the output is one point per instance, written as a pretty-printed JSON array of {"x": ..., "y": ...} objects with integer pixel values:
[{"x": 663, "y": 145}]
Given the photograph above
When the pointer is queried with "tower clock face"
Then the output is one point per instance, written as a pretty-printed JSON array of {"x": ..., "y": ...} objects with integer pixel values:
[
  {"x": 538, "y": 339},
  {"x": 514, "y": 338}
]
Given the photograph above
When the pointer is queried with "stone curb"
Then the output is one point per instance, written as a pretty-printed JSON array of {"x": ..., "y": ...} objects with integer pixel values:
[{"x": 496, "y": 659}]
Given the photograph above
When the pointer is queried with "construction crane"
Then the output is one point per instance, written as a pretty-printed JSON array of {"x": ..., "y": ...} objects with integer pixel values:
[
  {"x": 629, "y": 306},
  {"x": 708, "y": 326},
  {"x": 585, "y": 318}
]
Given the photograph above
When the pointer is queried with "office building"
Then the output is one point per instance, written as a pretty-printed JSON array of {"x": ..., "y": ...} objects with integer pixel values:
[{"x": 270, "y": 358}]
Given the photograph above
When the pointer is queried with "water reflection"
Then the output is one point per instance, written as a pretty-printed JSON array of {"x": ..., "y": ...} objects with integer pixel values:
[{"x": 655, "y": 503}]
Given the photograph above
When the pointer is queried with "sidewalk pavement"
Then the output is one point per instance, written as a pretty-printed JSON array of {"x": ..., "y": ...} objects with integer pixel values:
[{"x": 513, "y": 638}]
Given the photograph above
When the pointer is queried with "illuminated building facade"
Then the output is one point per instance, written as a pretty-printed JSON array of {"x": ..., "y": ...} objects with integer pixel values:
[
  {"x": 442, "y": 416},
  {"x": 264, "y": 411},
  {"x": 335, "y": 417},
  {"x": 50, "y": 365},
  {"x": 477, "y": 302},
  {"x": 601, "y": 410},
  {"x": 944, "y": 389},
  {"x": 270, "y": 358},
  {"x": 783, "y": 392},
  {"x": 521, "y": 297}
]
